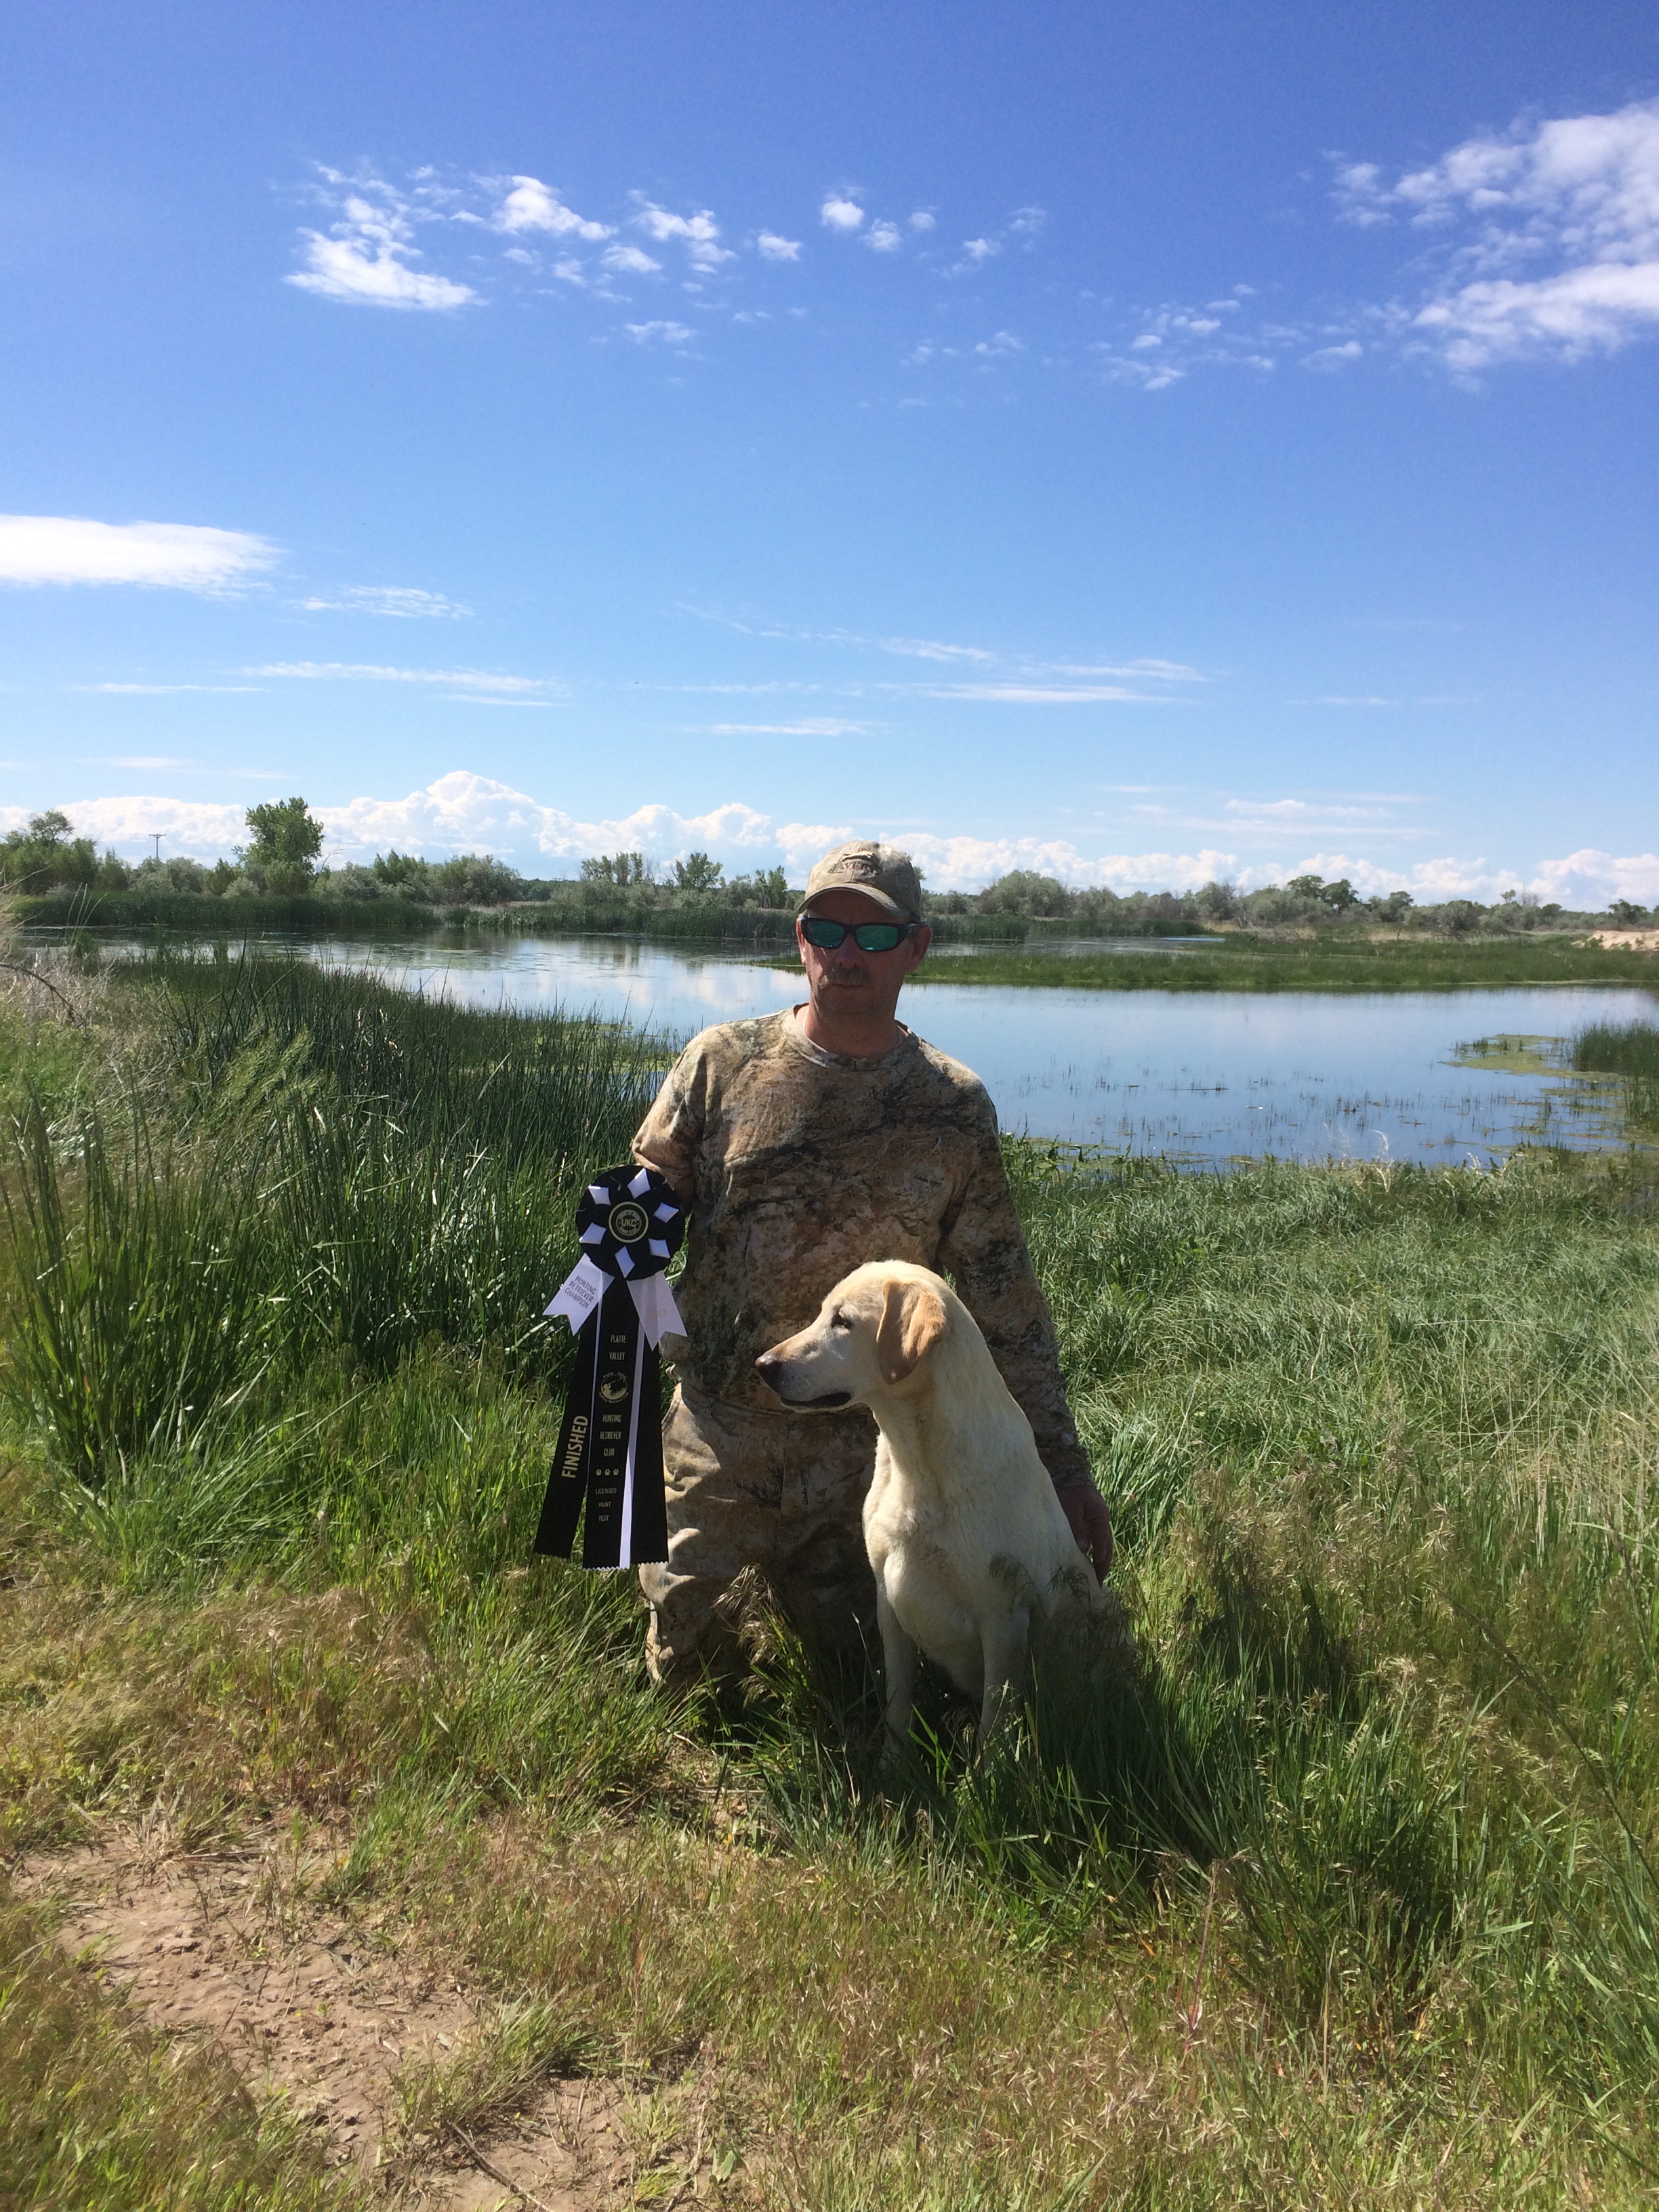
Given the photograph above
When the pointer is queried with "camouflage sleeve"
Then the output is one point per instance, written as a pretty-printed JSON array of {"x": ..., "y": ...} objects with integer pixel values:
[
  {"x": 668, "y": 1138},
  {"x": 984, "y": 1248}
]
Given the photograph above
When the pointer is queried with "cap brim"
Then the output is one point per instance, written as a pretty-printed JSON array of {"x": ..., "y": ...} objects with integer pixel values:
[{"x": 864, "y": 890}]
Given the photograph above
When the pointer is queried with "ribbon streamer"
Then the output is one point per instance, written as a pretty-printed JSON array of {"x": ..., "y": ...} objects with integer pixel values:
[{"x": 629, "y": 1224}]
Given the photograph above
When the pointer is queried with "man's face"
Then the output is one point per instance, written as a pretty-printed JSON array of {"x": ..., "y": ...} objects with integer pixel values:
[{"x": 847, "y": 981}]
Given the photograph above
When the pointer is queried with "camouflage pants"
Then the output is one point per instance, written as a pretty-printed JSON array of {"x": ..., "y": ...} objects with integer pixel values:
[{"x": 780, "y": 1494}]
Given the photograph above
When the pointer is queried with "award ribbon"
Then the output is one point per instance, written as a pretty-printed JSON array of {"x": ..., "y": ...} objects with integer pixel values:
[{"x": 629, "y": 1224}]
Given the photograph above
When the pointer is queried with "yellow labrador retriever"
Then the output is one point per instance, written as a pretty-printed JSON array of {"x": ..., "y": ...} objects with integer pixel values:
[{"x": 968, "y": 1543}]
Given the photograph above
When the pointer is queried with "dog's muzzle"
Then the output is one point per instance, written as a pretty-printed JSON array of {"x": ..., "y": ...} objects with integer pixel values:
[{"x": 771, "y": 1372}]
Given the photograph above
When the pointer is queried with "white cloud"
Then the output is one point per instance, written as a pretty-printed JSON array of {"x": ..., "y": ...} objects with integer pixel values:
[
  {"x": 56, "y": 549},
  {"x": 532, "y": 205},
  {"x": 1561, "y": 256},
  {"x": 1045, "y": 695},
  {"x": 922, "y": 220},
  {"x": 1580, "y": 311},
  {"x": 917, "y": 648},
  {"x": 699, "y": 234},
  {"x": 1023, "y": 668},
  {"x": 1298, "y": 809},
  {"x": 772, "y": 246},
  {"x": 1334, "y": 357},
  {"x": 463, "y": 812},
  {"x": 1001, "y": 343},
  {"x": 1173, "y": 340},
  {"x": 492, "y": 699},
  {"x": 1589, "y": 879},
  {"x": 660, "y": 333},
  {"x": 969, "y": 863},
  {"x": 630, "y": 260},
  {"x": 838, "y": 213},
  {"x": 344, "y": 671},
  {"x": 131, "y": 823},
  {"x": 981, "y": 249},
  {"x": 365, "y": 260},
  {"x": 884, "y": 237},
  {"x": 1147, "y": 671},
  {"x": 399, "y": 599},
  {"x": 819, "y": 726}
]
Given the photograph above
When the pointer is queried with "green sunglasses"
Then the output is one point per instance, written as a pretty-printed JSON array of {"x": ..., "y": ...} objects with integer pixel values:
[{"x": 868, "y": 936}]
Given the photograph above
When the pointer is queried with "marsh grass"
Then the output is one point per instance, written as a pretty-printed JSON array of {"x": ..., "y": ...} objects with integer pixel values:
[
  {"x": 305, "y": 1169},
  {"x": 1334, "y": 961},
  {"x": 1629, "y": 1050},
  {"x": 1343, "y": 1895}
]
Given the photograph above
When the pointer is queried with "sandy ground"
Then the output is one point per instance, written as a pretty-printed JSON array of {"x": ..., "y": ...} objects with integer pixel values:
[
  {"x": 1625, "y": 940},
  {"x": 232, "y": 1944}
]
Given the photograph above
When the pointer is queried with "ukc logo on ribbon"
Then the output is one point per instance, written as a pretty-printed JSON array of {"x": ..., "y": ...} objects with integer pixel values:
[{"x": 629, "y": 1224}]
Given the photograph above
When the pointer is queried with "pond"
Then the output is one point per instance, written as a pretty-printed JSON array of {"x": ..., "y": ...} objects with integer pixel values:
[{"x": 1198, "y": 1075}]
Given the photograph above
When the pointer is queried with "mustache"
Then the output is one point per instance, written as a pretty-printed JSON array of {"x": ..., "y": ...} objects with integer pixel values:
[{"x": 848, "y": 976}]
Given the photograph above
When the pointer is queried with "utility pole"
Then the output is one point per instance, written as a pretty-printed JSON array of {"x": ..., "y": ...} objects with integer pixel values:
[{"x": 158, "y": 835}]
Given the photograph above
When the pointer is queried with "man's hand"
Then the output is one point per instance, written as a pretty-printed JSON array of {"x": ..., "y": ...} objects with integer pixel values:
[{"x": 1092, "y": 1524}]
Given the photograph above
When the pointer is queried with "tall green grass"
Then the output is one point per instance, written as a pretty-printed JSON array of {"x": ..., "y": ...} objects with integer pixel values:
[
  {"x": 304, "y": 1171},
  {"x": 1629, "y": 1050},
  {"x": 1383, "y": 1778}
]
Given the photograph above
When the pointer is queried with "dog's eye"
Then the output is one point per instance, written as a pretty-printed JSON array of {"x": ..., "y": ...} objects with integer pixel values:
[{"x": 841, "y": 1321}]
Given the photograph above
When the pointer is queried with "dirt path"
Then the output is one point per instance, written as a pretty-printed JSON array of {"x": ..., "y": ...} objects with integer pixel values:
[{"x": 331, "y": 2012}]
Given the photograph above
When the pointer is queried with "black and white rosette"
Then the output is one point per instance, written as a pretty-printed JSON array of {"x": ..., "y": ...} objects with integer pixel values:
[{"x": 629, "y": 1224}]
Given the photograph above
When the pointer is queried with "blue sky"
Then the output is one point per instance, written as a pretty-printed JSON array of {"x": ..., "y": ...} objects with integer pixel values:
[{"x": 1143, "y": 442}]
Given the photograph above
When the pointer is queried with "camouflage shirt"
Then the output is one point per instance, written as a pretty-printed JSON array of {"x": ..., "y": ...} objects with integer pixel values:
[{"x": 800, "y": 1165}]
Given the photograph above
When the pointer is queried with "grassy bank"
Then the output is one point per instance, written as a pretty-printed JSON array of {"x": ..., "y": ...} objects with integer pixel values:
[
  {"x": 191, "y": 914},
  {"x": 1335, "y": 961},
  {"x": 1349, "y": 1899},
  {"x": 590, "y": 910}
]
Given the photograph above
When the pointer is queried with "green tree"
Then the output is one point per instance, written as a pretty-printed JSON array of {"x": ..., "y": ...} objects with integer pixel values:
[
  {"x": 1023, "y": 891},
  {"x": 1393, "y": 907},
  {"x": 697, "y": 872},
  {"x": 766, "y": 887},
  {"x": 1461, "y": 915},
  {"x": 47, "y": 855},
  {"x": 1218, "y": 901},
  {"x": 405, "y": 871},
  {"x": 283, "y": 856},
  {"x": 478, "y": 879},
  {"x": 619, "y": 868}
]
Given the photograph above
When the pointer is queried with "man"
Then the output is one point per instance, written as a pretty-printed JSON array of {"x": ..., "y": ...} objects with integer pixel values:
[{"x": 804, "y": 1144}]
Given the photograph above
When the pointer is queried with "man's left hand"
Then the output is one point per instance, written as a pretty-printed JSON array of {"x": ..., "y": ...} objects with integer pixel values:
[{"x": 1090, "y": 1523}]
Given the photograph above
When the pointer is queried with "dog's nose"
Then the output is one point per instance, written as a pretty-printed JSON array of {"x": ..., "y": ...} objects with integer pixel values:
[{"x": 766, "y": 1367}]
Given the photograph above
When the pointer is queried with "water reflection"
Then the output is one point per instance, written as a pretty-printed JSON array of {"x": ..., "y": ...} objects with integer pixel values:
[{"x": 1199, "y": 1075}]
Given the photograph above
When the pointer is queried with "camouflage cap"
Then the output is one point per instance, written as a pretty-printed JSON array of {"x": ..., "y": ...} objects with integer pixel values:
[{"x": 876, "y": 871}]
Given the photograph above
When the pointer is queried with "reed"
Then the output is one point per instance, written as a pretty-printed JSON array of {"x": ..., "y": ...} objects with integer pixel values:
[
  {"x": 309, "y": 1168},
  {"x": 1630, "y": 1052}
]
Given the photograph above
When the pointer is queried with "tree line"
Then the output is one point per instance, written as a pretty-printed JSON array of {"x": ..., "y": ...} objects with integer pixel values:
[{"x": 282, "y": 857}]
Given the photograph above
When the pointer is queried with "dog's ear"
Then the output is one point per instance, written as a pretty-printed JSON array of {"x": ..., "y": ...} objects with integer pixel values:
[{"x": 912, "y": 1322}]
